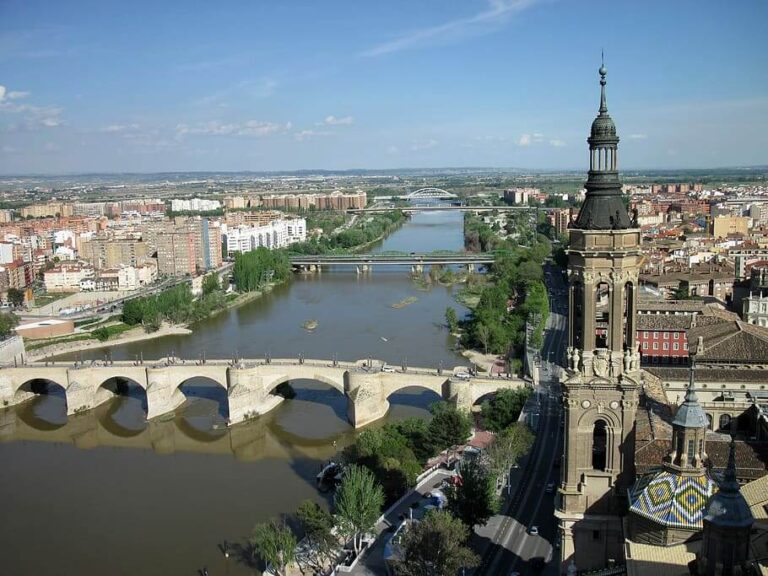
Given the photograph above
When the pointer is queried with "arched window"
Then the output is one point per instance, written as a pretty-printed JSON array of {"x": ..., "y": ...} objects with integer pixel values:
[
  {"x": 599, "y": 445},
  {"x": 577, "y": 325},
  {"x": 629, "y": 314},
  {"x": 602, "y": 315},
  {"x": 725, "y": 421},
  {"x": 709, "y": 421}
]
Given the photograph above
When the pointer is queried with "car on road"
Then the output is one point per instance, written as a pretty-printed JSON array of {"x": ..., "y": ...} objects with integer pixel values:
[
  {"x": 533, "y": 530},
  {"x": 387, "y": 369},
  {"x": 463, "y": 375}
]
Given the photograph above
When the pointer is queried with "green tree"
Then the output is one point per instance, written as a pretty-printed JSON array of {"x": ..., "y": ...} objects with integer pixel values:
[
  {"x": 387, "y": 454},
  {"x": 451, "y": 319},
  {"x": 317, "y": 524},
  {"x": 275, "y": 544},
  {"x": 7, "y": 323},
  {"x": 358, "y": 504},
  {"x": 101, "y": 334},
  {"x": 448, "y": 426},
  {"x": 484, "y": 333},
  {"x": 474, "y": 500},
  {"x": 436, "y": 545},
  {"x": 507, "y": 448},
  {"x": 504, "y": 408},
  {"x": 15, "y": 297},
  {"x": 210, "y": 283}
]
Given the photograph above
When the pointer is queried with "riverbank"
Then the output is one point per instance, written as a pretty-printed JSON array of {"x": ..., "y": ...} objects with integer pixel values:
[{"x": 136, "y": 334}]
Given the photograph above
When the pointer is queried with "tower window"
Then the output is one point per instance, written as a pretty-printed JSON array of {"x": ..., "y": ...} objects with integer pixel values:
[{"x": 599, "y": 445}]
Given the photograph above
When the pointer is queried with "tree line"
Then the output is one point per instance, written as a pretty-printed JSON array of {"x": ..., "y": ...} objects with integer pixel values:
[
  {"x": 515, "y": 294},
  {"x": 176, "y": 305},
  {"x": 254, "y": 269},
  {"x": 371, "y": 228}
]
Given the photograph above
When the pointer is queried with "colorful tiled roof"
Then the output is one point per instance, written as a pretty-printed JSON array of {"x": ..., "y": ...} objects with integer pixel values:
[{"x": 671, "y": 499}]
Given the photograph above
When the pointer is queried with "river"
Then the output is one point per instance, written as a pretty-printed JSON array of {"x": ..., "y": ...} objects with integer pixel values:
[{"x": 107, "y": 492}]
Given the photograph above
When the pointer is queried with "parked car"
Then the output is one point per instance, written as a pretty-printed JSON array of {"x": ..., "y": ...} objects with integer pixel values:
[{"x": 533, "y": 530}]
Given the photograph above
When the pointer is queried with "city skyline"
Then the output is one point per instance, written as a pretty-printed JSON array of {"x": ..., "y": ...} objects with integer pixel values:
[{"x": 500, "y": 83}]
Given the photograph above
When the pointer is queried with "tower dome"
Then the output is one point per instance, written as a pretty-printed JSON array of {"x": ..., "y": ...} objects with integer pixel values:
[{"x": 603, "y": 207}]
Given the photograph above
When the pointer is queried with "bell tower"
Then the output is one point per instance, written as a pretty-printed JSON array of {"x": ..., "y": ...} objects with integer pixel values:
[{"x": 600, "y": 384}]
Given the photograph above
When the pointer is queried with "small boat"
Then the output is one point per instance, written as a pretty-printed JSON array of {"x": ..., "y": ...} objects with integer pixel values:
[
  {"x": 383, "y": 339},
  {"x": 330, "y": 474}
]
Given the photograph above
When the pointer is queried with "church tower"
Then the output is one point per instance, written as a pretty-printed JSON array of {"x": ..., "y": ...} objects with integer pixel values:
[{"x": 600, "y": 384}]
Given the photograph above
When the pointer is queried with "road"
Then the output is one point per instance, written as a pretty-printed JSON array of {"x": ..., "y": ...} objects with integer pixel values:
[{"x": 513, "y": 548}]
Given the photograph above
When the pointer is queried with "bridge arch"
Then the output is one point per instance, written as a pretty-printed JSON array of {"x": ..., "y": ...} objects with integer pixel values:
[
  {"x": 203, "y": 387},
  {"x": 418, "y": 394},
  {"x": 319, "y": 377},
  {"x": 32, "y": 387},
  {"x": 121, "y": 386},
  {"x": 430, "y": 193}
]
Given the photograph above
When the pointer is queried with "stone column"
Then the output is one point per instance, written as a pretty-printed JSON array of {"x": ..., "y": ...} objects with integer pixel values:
[
  {"x": 162, "y": 394},
  {"x": 365, "y": 398},
  {"x": 246, "y": 395},
  {"x": 460, "y": 395}
]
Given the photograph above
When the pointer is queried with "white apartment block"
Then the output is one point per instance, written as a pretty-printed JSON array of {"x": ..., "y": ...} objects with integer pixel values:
[
  {"x": 66, "y": 278},
  {"x": 276, "y": 234},
  {"x": 194, "y": 205}
]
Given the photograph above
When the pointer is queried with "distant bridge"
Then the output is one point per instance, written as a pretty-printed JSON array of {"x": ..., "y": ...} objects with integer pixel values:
[
  {"x": 414, "y": 259},
  {"x": 443, "y": 208},
  {"x": 430, "y": 194},
  {"x": 249, "y": 384}
]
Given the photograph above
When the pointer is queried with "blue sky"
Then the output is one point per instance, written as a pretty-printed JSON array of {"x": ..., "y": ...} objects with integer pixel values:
[{"x": 146, "y": 86}]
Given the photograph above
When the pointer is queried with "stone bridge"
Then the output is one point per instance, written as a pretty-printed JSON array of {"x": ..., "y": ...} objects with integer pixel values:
[{"x": 249, "y": 384}]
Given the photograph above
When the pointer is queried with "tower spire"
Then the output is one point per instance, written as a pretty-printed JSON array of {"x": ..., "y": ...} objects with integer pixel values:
[
  {"x": 603, "y": 71},
  {"x": 730, "y": 484}
]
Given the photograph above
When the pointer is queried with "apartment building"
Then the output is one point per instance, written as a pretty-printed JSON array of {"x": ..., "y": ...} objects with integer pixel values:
[
  {"x": 176, "y": 253},
  {"x": 66, "y": 278},
  {"x": 276, "y": 234}
]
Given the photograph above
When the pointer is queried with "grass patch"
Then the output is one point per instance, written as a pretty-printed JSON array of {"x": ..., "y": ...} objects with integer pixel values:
[
  {"x": 37, "y": 345},
  {"x": 46, "y": 299}
]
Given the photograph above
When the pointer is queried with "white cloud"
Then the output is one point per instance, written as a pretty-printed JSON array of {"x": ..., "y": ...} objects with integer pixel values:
[
  {"x": 524, "y": 140},
  {"x": 337, "y": 120},
  {"x": 116, "y": 128},
  {"x": 34, "y": 116},
  {"x": 637, "y": 136},
  {"x": 309, "y": 134},
  {"x": 557, "y": 143},
  {"x": 495, "y": 15},
  {"x": 249, "y": 128},
  {"x": 423, "y": 145}
]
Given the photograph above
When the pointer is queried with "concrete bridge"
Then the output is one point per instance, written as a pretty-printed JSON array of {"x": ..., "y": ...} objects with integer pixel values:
[
  {"x": 415, "y": 260},
  {"x": 250, "y": 384}
]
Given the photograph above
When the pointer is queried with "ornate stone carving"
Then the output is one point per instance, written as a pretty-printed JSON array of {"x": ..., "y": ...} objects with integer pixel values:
[
  {"x": 600, "y": 364},
  {"x": 585, "y": 404},
  {"x": 614, "y": 404},
  {"x": 627, "y": 360}
]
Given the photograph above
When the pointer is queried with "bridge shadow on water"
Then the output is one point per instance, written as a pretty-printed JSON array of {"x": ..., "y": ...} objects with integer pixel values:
[
  {"x": 47, "y": 410},
  {"x": 206, "y": 406}
]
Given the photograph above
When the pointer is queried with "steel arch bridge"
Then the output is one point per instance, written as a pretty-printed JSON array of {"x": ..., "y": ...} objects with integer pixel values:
[{"x": 431, "y": 194}]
